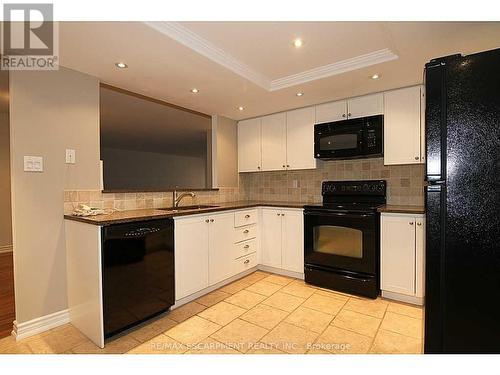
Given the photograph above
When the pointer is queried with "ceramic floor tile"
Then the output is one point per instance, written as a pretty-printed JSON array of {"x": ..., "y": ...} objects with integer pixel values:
[
  {"x": 309, "y": 319},
  {"x": 152, "y": 329},
  {"x": 193, "y": 330},
  {"x": 341, "y": 341},
  {"x": 59, "y": 340},
  {"x": 278, "y": 279},
  {"x": 263, "y": 287},
  {"x": 240, "y": 335},
  {"x": 298, "y": 290},
  {"x": 246, "y": 299},
  {"x": 283, "y": 301},
  {"x": 9, "y": 345},
  {"x": 160, "y": 344},
  {"x": 254, "y": 277},
  {"x": 263, "y": 348},
  {"x": 325, "y": 304},
  {"x": 222, "y": 313},
  {"x": 118, "y": 345},
  {"x": 264, "y": 316},
  {"x": 387, "y": 342},
  {"x": 186, "y": 311},
  {"x": 375, "y": 308},
  {"x": 212, "y": 298},
  {"x": 211, "y": 346},
  {"x": 360, "y": 323},
  {"x": 333, "y": 294},
  {"x": 400, "y": 308},
  {"x": 235, "y": 286},
  {"x": 290, "y": 338},
  {"x": 402, "y": 324}
]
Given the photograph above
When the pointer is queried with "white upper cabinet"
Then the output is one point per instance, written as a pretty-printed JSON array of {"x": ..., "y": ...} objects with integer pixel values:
[
  {"x": 249, "y": 145},
  {"x": 274, "y": 142},
  {"x": 300, "y": 139},
  {"x": 368, "y": 105},
  {"x": 333, "y": 111},
  {"x": 402, "y": 126}
]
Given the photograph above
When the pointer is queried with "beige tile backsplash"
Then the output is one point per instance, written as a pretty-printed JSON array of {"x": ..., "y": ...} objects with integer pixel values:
[{"x": 405, "y": 185}]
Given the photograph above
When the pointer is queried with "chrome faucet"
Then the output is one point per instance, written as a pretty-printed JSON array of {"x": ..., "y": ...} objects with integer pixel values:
[{"x": 176, "y": 199}]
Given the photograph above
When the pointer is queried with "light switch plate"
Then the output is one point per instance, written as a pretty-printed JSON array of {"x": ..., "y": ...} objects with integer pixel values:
[
  {"x": 70, "y": 156},
  {"x": 33, "y": 164}
]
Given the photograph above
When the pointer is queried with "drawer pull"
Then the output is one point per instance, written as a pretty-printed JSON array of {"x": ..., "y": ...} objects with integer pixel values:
[
  {"x": 246, "y": 231},
  {"x": 247, "y": 216},
  {"x": 206, "y": 221},
  {"x": 246, "y": 246},
  {"x": 246, "y": 261}
]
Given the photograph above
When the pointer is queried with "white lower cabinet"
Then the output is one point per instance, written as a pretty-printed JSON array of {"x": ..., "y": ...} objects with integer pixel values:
[
  {"x": 220, "y": 248},
  {"x": 191, "y": 256},
  {"x": 283, "y": 239},
  {"x": 402, "y": 256}
]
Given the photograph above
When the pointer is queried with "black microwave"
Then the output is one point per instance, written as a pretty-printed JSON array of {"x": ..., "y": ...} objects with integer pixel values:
[{"x": 349, "y": 139}]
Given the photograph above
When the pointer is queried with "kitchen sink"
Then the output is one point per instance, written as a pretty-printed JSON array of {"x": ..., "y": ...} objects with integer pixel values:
[{"x": 186, "y": 208}]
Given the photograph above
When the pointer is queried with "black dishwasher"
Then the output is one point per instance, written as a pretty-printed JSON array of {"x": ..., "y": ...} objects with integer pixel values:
[{"x": 138, "y": 279}]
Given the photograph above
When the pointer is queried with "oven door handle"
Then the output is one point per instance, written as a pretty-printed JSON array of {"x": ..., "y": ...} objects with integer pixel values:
[{"x": 338, "y": 214}]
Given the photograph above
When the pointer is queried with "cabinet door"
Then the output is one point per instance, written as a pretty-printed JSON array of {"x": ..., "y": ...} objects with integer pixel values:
[
  {"x": 419, "y": 255},
  {"x": 191, "y": 256},
  {"x": 292, "y": 254},
  {"x": 397, "y": 254},
  {"x": 221, "y": 247},
  {"x": 300, "y": 139},
  {"x": 333, "y": 111},
  {"x": 249, "y": 145},
  {"x": 402, "y": 126},
  {"x": 368, "y": 105},
  {"x": 271, "y": 237},
  {"x": 274, "y": 142}
]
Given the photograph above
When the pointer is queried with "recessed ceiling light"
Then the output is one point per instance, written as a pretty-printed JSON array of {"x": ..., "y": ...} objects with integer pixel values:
[
  {"x": 298, "y": 43},
  {"x": 195, "y": 91},
  {"x": 375, "y": 76},
  {"x": 121, "y": 65},
  {"x": 240, "y": 108},
  {"x": 299, "y": 94}
]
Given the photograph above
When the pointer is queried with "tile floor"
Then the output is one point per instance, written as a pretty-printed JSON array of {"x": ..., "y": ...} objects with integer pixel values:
[{"x": 260, "y": 313}]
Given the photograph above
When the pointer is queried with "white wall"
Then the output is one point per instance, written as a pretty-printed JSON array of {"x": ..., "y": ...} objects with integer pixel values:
[
  {"x": 5, "y": 207},
  {"x": 49, "y": 112},
  {"x": 152, "y": 169}
]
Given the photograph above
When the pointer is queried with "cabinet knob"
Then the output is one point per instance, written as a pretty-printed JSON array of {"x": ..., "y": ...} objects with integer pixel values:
[
  {"x": 411, "y": 222},
  {"x": 343, "y": 114},
  {"x": 278, "y": 214},
  {"x": 282, "y": 214},
  {"x": 206, "y": 221},
  {"x": 417, "y": 158},
  {"x": 246, "y": 246},
  {"x": 247, "y": 261},
  {"x": 288, "y": 165},
  {"x": 284, "y": 165},
  {"x": 258, "y": 167},
  {"x": 419, "y": 224},
  {"x": 246, "y": 231},
  {"x": 247, "y": 216},
  {"x": 349, "y": 114},
  {"x": 211, "y": 220}
]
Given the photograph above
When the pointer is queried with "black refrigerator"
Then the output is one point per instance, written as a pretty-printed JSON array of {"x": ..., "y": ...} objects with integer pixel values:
[{"x": 462, "y": 310}]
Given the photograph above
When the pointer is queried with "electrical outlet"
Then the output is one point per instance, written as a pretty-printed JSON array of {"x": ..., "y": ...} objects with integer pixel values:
[{"x": 70, "y": 156}]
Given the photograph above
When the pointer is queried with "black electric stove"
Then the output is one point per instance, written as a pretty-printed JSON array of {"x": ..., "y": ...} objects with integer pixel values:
[{"x": 341, "y": 237}]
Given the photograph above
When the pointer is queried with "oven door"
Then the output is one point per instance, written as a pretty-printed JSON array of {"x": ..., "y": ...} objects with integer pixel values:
[
  {"x": 343, "y": 241},
  {"x": 337, "y": 141}
]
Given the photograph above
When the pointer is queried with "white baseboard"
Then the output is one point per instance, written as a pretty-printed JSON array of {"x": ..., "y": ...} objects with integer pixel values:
[
  {"x": 44, "y": 323},
  {"x": 280, "y": 271},
  {"x": 403, "y": 298},
  {"x": 5, "y": 249}
]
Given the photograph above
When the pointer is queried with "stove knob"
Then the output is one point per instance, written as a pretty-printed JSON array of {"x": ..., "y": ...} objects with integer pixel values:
[{"x": 366, "y": 187}]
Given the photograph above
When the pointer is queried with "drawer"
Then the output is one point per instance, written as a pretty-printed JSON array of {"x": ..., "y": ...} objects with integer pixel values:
[
  {"x": 245, "y": 217},
  {"x": 245, "y": 263},
  {"x": 245, "y": 233},
  {"x": 245, "y": 248}
]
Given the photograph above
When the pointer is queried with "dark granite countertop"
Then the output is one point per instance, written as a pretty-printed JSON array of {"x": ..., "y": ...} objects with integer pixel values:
[
  {"x": 402, "y": 209},
  {"x": 130, "y": 216}
]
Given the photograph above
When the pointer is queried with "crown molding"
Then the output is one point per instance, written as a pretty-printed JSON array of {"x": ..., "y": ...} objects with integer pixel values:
[
  {"x": 195, "y": 42},
  {"x": 192, "y": 40},
  {"x": 329, "y": 70}
]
